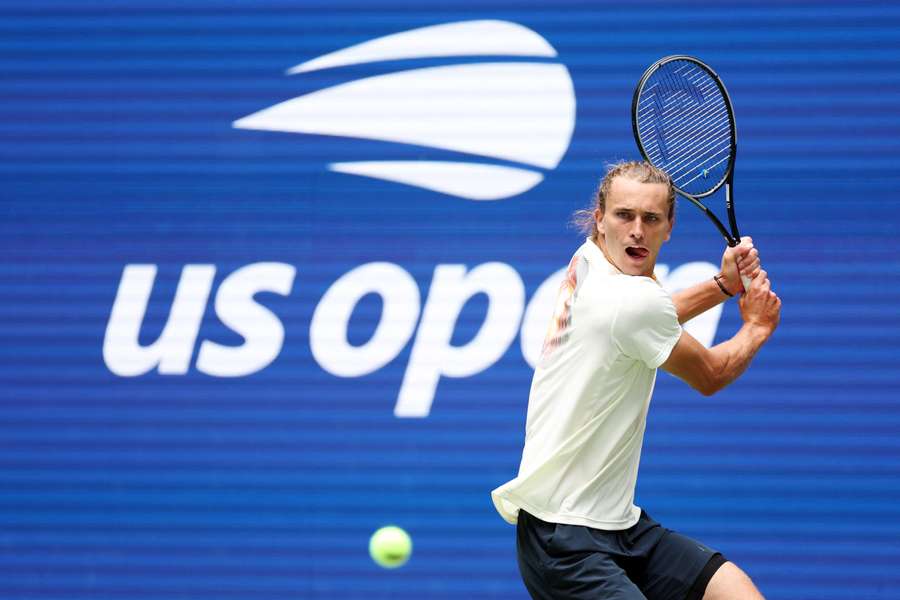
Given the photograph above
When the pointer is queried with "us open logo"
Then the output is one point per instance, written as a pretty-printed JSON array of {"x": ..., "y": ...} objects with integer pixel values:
[{"x": 518, "y": 112}]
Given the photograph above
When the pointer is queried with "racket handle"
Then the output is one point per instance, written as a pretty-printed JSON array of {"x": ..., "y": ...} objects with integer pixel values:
[{"x": 734, "y": 241}]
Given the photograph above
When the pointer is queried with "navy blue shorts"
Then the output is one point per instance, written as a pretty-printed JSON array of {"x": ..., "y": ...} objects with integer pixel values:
[{"x": 646, "y": 561}]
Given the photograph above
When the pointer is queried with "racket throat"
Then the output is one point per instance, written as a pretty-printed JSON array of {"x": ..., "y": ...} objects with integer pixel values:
[{"x": 732, "y": 219}]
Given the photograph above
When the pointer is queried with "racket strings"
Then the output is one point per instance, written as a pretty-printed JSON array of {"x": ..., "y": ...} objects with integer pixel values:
[
  {"x": 690, "y": 135},
  {"x": 688, "y": 124},
  {"x": 685, "y": 126},
  {"x": 699, "y": 89},
  {"x": 684, "y": 149},
  {"x": 680, "y": 154},
  {"x": 707, "y": 122},
  {"x": 688, "y": 158}
]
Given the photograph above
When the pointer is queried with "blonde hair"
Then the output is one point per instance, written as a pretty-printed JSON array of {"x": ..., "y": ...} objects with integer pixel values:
[{"x": 640, "y": 171}]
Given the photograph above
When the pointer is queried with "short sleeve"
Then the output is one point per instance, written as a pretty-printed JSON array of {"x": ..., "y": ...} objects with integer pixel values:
[{"x": 646, "y": 325}]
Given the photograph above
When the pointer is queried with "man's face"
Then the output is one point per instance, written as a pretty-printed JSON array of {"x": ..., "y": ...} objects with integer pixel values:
[{"x": 635, "y": 224}]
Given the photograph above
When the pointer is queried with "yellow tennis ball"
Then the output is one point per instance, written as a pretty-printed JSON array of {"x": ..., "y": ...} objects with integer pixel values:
[{"x": 390, "y": 547}]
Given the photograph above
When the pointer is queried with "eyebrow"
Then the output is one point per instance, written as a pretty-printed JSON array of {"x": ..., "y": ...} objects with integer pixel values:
[{"x": 651, "y": 213}]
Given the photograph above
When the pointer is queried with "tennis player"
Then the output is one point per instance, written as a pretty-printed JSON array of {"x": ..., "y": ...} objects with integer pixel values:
[{"x": 579, "y": 533}]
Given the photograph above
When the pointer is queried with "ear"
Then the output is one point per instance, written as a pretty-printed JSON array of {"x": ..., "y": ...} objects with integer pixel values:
[
  {"x": 671, "y": 225},
  {"x": 598, "y": 219}
]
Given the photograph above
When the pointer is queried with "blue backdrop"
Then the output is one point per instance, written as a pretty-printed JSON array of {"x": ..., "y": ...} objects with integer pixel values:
[{"x": 340, "y": 292}]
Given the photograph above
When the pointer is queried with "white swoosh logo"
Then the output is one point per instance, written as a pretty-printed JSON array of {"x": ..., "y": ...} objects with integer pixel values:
[
  {"x": 494, "y": 181},
  {"x": 523, "y": 112},
  {"x": 468, "y": 38}
]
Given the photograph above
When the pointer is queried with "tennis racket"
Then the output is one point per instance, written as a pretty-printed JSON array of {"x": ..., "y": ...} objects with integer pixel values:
[{"x": 684, "y": 124}]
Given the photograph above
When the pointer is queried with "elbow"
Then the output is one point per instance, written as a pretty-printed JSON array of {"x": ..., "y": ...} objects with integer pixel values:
[
  {"x": 714, "y": 377},
  {"x": 707, "y": 389},
  {"x": 710, "y": 385}
]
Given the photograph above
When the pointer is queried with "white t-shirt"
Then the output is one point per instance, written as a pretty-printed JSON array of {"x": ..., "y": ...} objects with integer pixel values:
[{"x": 587, "y": 410}]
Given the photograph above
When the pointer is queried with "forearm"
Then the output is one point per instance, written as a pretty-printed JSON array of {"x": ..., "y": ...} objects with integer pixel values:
[
  {"x": 697, "y": 299},
  {"x": 732, "y": 357}
]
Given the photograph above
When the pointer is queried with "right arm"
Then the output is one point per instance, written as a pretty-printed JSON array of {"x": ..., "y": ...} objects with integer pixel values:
[{"x": 710, "y": 370}]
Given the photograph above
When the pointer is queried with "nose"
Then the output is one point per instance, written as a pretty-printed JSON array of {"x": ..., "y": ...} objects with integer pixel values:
[{"x": 637, "y": 230}]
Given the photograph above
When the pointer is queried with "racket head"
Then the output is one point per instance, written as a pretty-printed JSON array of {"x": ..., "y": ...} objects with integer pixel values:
[{"x": 683, "y": 123}]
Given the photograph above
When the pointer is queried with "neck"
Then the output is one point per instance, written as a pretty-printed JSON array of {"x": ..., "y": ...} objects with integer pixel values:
[{"x": 601, "y": 243}]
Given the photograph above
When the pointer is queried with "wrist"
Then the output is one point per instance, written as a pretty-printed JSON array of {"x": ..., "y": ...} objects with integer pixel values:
[
  {"x": 721, "y": 282},
  {"x": 731, "y": 282},
  {"x": 759, "y": 332}
]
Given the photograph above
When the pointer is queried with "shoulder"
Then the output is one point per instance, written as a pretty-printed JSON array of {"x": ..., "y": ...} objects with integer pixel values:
[
  {"x": 638, "y": 294},
  {"x": 646, "y": 323},
  {"x": 643, "y": 303}
]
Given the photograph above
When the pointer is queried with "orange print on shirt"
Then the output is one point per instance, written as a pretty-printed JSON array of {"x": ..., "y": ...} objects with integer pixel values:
[{"x": 558, "y": 331}]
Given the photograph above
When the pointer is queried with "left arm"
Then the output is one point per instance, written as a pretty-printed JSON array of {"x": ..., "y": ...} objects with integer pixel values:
[{"x": 742, "y": 259}]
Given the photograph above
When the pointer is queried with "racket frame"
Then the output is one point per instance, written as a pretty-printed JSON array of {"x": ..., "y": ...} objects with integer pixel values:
[{"x": 732, "y": 237}]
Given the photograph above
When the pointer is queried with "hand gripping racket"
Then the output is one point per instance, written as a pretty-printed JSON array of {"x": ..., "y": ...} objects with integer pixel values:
[{"x": 684, "y": 124}]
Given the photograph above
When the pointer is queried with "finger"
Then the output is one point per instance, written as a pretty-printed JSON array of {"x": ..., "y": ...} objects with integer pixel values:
[
  {"x": 739, "y": 254},
  {"x": 746, "y": 239},
  {"x": 749, "y": 264}
]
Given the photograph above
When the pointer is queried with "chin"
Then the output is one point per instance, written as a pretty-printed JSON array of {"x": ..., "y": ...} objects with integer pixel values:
[
  {"x": 630, "y": 268},
  {"x": 641, "y": 271}
]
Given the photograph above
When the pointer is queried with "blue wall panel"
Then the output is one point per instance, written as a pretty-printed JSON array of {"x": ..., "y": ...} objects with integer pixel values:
[{"x": 117, "y": 150}]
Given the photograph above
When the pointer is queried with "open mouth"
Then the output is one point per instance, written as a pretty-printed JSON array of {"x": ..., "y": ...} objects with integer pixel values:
[{"x": 637, "y": 252}]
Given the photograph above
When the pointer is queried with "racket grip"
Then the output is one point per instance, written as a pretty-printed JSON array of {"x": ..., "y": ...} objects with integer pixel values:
[{"x": 746, "y": 281}]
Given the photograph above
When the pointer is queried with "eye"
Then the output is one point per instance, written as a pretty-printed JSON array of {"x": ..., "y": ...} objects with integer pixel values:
[{"x": 652, "y": 218}]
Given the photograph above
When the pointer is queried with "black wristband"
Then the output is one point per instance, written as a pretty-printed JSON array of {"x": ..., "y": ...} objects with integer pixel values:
[{"x": 722, "y": 287}]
